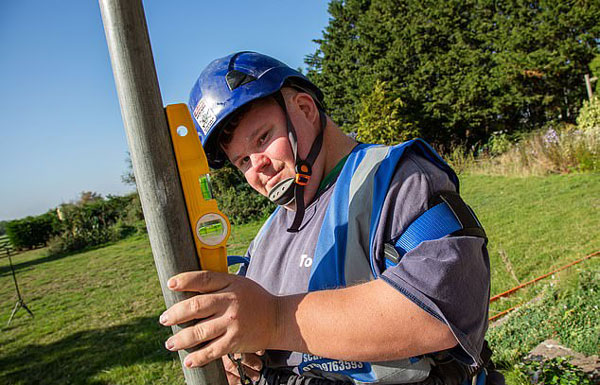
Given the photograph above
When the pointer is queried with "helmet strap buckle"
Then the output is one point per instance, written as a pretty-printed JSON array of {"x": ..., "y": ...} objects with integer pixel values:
[{"x": 303, "y": 173}]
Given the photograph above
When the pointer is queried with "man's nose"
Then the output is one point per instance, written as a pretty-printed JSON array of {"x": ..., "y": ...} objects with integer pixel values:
[{"x": 259, "y": 161}]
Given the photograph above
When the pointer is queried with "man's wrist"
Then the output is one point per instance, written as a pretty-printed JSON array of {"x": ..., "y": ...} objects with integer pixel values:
[{"x": 286, "y": 335}]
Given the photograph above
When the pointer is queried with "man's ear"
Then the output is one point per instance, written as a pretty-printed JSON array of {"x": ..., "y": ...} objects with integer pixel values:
[
  {"x": 309, "y": 108},
  {"x": 304, "y": 104}
]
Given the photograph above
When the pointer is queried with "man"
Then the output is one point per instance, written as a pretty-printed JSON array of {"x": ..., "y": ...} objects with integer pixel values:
[{"x": 372, "y": 270}]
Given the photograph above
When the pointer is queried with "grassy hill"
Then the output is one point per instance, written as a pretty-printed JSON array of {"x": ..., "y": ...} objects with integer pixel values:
[{"x": 96, "y": 312}]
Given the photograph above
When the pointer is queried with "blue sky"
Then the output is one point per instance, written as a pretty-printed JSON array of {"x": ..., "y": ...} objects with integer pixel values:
[{"x": 60, "y": 123}]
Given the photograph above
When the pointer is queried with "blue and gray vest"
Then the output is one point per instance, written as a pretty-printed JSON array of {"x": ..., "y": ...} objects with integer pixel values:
[{"x": 344, "y": 251}]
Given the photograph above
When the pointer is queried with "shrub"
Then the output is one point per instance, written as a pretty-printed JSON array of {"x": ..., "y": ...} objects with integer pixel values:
[
  {"x": 498, "y": 143},
  {"x": 460, "y": 159},
  {"x": 97, "y": 221},
  {"x": 380, "y": 119},
  {"x": 556, "y": 371},
  {"x": 32, "y": 231},
  {"x": 589, "y": 116},
  {"x": 236, "y": 198},
  {"x": 555, "y": 149}
]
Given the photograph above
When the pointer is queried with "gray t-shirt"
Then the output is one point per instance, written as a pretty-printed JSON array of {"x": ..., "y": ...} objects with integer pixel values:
[{"x": 449, "y": 277}]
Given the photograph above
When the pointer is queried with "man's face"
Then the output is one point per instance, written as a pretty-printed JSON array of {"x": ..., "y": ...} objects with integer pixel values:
[{"x": 260, "y": 147}]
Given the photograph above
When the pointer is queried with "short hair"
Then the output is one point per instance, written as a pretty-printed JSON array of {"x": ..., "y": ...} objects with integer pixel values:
[
  {"x": 229, "y": 126},
  {"x": 232, "y": 122}
]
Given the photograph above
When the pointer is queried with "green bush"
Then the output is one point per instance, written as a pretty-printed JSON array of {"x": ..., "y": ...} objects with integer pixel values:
[
  {"x": 380, "y": 119},
  {"x": 97, "y": 221},
  {"x": 557, "y": 371},
  {"x": 589, "y": 116},
  {"x": 595, "y": 69},
  {"x": 558, "y": 148},
  {"x": 31, "y": 232},
  {"x": 236, "y": 198},
  {"x": 498, "y": 143}
]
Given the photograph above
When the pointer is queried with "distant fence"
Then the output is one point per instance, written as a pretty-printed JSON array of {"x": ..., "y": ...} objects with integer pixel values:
[{"x": 5, "y": 246}]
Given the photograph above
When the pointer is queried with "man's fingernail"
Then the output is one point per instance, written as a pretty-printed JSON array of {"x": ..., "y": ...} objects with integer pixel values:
[
  {"x": 172, "y": 283},
  {"x": 169, "y": 344},
  {"x": 188, "y": 363},
  {"x": 163, "y": 318}
]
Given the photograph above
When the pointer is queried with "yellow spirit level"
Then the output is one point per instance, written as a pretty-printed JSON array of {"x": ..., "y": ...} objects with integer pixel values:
[{"x": 210, "y": 226}]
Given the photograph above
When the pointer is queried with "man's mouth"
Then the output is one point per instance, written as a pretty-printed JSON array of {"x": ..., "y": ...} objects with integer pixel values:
[{"x": 272, "y": 181}]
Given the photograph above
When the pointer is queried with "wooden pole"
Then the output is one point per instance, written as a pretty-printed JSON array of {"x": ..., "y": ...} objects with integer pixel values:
[
  {"x": 152, "y": 157},
  {"x": 588, "y": 86}
]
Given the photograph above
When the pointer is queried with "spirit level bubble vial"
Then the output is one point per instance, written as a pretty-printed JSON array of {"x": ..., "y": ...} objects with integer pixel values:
[{"x": 210, "y": 226}]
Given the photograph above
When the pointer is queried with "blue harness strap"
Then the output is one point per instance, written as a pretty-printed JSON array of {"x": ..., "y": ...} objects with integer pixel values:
[
  {"x": 435, "y": 223},
  {"x": 237, "y": 259},
  {"x": 449, "y": 215}
]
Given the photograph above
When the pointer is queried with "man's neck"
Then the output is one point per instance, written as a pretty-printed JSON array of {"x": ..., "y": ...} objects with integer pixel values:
[{"x": 336, "y": 145}]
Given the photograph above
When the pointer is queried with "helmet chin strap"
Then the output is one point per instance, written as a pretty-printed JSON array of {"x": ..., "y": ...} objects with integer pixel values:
[{"x": 292, "y": 189}]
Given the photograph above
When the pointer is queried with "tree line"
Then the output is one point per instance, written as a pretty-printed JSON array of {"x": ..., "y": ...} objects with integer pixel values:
[
  {"x": 454, "y": 71},
  {"x": 92, "y": 220}
]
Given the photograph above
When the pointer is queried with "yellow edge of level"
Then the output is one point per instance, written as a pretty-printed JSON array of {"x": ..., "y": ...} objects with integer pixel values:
[{"x": 211, "y": 228}]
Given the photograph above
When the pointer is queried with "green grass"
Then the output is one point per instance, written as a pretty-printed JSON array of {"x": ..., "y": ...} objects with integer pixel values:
[
  {"x": 4, "y": 242},
  {"x": 95, "y": 319},
  {"x": 96, "y": 312},
  {"x": 568, "y": 311},
  {"x": 537, "y": 223}
]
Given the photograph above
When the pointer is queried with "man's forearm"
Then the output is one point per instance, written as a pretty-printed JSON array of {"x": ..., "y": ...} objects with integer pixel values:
[{"x": 368, "y": 322}]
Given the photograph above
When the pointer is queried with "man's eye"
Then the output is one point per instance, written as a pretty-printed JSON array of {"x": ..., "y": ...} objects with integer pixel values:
[
  {"x": 262, "y": 139},
  {"x": 244, "y": 161}
]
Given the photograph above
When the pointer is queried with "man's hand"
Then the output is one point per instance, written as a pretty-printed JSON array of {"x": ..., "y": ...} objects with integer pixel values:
[
  {"x": 252, "y": 365},
  {"x": 235, "y": 315}
]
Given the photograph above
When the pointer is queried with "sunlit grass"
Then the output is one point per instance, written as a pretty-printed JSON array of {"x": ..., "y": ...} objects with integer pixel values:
[{"x": 96, "y": 312}]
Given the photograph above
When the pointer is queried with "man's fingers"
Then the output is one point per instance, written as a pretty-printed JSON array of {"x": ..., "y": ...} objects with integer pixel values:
[
  {"x": 200, "y": 281},
  {"x": 211, "y": 351},
  {"x": 232, "y": 379},
  {"x": 230, "y": 366},
  {"x": 197, "y": 307},
  {"x": 191, "y": 336},
  {"x": 252, "y": 361}
]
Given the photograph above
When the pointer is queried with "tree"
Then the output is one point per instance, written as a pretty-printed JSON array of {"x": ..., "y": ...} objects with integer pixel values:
[
  {"x": 462, "y": 68},
  {"x": 88, "y": 197},
  {"x": 379, "y": 119},
  {"x": 595, "y": 70},
  {"x": 128, "y": 177},
  {"x": 339, "y": 79}
]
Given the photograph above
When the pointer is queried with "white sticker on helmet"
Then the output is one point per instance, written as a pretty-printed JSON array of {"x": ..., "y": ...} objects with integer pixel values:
[{"x": 204, "y": 116}]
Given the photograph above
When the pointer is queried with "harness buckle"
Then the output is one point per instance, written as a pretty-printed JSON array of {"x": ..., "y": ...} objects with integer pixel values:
[
  {"x": 302, "y": 179},
  {"x": 303, "y": 173}
]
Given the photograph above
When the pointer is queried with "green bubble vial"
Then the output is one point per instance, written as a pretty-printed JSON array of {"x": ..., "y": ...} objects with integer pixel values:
[
  {"x": 211, "y": 228},
  {"x": 205, "y": 187}
]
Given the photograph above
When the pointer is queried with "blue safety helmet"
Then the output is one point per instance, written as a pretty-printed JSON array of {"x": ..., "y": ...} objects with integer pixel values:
[{"x": 229, "y": 83}]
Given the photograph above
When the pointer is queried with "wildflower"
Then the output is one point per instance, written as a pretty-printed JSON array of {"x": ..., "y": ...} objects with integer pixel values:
[{"x": 551, "y": 137}]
